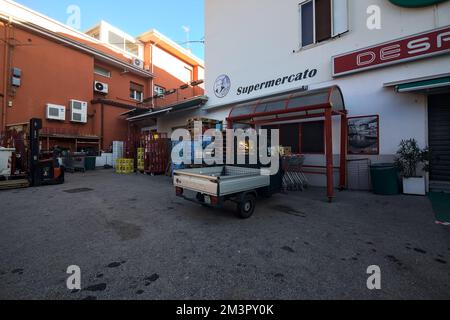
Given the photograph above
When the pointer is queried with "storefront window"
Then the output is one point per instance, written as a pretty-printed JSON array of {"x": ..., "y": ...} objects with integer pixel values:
[
  {"x": 290, "y": 137},
  {"x": 306, "y": 137},
  {"x": 312, "y": 137}
]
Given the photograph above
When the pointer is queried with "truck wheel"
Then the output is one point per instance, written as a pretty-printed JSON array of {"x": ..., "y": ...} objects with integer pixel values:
[{"x": 246, "y": 207}]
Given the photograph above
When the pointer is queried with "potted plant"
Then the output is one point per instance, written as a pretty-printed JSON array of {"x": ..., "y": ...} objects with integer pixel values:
[{"x": 409, "y": 156}]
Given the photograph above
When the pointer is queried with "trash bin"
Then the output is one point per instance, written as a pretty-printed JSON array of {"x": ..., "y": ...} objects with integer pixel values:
[
  {"x": 90, "y": 163},
  {"x": 384, "y": 179}
]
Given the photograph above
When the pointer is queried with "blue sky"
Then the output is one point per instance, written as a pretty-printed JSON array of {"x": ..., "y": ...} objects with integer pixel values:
[{"x": 134, "y": 16}]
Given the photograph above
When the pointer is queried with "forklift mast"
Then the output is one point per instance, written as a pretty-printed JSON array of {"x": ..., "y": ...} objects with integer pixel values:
[{"x": 35, "y": 126}]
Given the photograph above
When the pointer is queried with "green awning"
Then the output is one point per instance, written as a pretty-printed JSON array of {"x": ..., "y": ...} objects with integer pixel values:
[{"x": 425, "y": 85}]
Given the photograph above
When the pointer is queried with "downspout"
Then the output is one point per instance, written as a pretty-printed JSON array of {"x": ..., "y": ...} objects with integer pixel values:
[
  {"x": 152, "y": 47},
  {"x": 152, "y": 88},
  {"x": 102, "y": 126},
  {"x": 6, "y": 76}
]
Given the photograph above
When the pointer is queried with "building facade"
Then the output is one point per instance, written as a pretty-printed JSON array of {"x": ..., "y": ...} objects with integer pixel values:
[
  {"x": 83, "y": 85},
  {"x": 391, "y": 63}
]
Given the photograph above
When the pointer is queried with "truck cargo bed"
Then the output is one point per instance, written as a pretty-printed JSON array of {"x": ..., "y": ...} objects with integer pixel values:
[{"x": 221, "y": 181}]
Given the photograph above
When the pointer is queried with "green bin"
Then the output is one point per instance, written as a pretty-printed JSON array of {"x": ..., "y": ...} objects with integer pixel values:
[
  {"x": 384, "y": 179},
  {"x": 90, "y": 163}
]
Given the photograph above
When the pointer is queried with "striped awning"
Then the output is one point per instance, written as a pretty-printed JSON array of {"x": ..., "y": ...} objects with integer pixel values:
[{"x": 439, "y": 84}]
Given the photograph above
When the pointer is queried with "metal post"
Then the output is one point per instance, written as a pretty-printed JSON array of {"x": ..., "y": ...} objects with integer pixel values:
[
  {"x": 344, "y": 149},
  {"x": 329, "y": 153}
]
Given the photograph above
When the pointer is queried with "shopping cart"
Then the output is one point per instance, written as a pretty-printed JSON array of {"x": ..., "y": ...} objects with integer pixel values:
[{"x": 294, "y": 178}]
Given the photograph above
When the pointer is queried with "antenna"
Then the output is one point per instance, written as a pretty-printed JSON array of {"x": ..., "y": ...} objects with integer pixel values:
[{"x": 187, "y": 30}]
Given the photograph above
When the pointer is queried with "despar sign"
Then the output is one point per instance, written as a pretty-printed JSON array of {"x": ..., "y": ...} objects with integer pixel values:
[{"x": 420, "y": 46}]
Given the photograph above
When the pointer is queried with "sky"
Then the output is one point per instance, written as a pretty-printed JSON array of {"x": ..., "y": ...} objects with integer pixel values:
[{"x": 134, "y": 16}]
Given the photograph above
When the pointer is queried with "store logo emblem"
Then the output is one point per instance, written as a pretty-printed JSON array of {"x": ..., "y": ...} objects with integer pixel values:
[{"x": 222, "y": 86}]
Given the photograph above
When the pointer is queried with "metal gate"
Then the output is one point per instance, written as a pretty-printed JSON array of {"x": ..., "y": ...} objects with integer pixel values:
[{"x": 439, "y": 136}]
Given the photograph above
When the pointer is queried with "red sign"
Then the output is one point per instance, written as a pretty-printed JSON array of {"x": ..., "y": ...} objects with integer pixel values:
[{"x": 414, "y": 47}]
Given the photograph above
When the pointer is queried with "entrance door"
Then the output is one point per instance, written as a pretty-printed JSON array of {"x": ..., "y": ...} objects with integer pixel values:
[{"x": 439, "y": 136}]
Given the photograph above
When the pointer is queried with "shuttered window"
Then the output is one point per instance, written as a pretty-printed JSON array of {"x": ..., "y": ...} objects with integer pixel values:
[
  {"x": 136, "y": 91},
  {"x": 321, "y": 20}
]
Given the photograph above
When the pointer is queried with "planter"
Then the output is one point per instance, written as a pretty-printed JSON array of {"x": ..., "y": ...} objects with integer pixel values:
[{"x": 414, "y": 186}]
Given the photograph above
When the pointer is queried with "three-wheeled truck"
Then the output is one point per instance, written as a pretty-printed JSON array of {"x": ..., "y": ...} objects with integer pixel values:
[{"x": 212, "y": 186}]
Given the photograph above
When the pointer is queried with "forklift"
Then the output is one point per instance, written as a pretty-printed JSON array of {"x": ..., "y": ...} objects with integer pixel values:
[{"x": 41, "y": 171}]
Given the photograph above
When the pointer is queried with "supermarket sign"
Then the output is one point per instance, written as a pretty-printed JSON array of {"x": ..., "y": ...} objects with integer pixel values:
[{"x": 419, "y": 46}]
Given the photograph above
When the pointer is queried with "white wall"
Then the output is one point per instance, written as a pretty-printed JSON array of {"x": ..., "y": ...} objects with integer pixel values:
[
  {"x": 174, "y": 66},
  {"x": 254, "y": 41}
]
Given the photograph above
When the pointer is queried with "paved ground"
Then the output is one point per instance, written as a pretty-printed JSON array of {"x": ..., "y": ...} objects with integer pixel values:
[{"x": 133, "y": 239}]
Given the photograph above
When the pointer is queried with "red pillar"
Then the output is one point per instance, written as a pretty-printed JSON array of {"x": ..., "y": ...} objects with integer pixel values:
[
  {"x": 344, "y": 149},
  {"x": 329, "y": 153}
]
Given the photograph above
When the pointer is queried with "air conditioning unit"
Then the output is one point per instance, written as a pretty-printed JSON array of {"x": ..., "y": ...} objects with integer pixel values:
[
  {"x": 101, "y": 87},
  {"x": 55, "y": 112},
  {"x": 138, "y": 63},
  {"x": 78, "y": 111}
]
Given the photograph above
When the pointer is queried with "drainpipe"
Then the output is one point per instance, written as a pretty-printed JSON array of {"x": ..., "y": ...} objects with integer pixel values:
[
  {"x": 6, "y": 76},
  {"x": 152, "y": 89},
  {"x": 102, "y": 126},
  {"x": 152, "y": 46}
]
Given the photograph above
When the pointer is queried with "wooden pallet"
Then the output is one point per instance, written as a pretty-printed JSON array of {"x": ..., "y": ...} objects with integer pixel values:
[
  {"x": 14, "y": 184},
  {"x": 202, "y": 119}
]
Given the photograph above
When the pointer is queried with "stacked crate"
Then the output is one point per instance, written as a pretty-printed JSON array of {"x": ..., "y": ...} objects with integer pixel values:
[
  {"x": 207, "y": 124},
  {"x": 141, "y": 159},
  {"x": 156, "y": 153},
  {"x": 118, "y": 148},
  {"x": 124, "y": 166}
]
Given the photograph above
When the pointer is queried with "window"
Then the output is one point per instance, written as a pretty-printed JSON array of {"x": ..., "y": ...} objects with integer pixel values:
[
  {"x": 102, "y": 71},
  {"x": 306, "y": 137},
  {"x": 136, "y": 91},
  {"x": 321, "y": 20},
  {"x": 312, "y": 137},
  {"x": 116, "y": 40},
  {"x": 307, "y": 19},
  {"x": 159, "y": 91},
  {"x": 131, "y": 47},
  {"x": 289, "y": 137},
  {"x": 123, "y": 44}
]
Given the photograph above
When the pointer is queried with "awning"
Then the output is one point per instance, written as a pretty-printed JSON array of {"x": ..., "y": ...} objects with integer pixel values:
[
  {"x": 185, "y": 105},
  {"x": 150, "y": 114},
  {"x": 296, "y": 106},
  {"x": 424, "y": 85},
  {"x": 299, "y": 104},
  {"x": 427, "y": 85}
]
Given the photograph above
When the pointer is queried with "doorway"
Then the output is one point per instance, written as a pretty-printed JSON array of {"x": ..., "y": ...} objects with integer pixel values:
[{"x": 439, "y": 137}]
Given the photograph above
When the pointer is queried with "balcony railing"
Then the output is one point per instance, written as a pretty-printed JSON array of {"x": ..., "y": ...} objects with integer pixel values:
[{"x": 69, "y": 132}]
